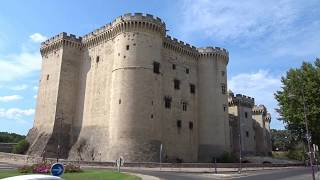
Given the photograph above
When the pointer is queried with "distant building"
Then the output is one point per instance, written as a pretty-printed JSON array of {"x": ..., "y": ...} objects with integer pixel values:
[
  {"x": 125, "y": 89},
  {"x": 254, "y": 124}
]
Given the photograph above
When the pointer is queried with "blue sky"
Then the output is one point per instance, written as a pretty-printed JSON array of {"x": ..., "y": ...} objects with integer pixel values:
[{"x": 264, "y": 38}]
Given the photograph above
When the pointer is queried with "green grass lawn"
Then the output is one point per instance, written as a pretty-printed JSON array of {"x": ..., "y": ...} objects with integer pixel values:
[{"x": 86, "y": 175}]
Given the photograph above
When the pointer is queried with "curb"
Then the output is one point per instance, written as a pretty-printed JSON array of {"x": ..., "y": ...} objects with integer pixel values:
[{"x": 143, "y": 176}]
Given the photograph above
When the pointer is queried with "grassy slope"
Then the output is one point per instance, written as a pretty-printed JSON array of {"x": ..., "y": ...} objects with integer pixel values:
[{"x": 92, "y": 175}]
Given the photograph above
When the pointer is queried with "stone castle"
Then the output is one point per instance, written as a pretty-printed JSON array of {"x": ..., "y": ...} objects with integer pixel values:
[{"x": 126, "y": 89}]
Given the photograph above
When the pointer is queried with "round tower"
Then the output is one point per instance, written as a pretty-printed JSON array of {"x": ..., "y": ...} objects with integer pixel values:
[
  {"x": 137, "y": 63},
  {"x": 214, "y": 137}
]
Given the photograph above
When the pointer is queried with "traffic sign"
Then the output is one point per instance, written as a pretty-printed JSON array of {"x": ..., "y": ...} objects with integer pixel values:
[{"x": 57, "y": 169}]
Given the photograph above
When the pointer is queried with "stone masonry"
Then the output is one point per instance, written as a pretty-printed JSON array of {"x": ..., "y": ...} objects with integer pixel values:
[{"x": 125, "y": 89}]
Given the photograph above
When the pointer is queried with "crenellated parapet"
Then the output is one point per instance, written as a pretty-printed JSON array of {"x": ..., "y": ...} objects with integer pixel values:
[
  {"x": 214, "y": 52},
  {"x": 259, "y": 110},
  {"x": 62, "y": 39},
  {"x": 268, "y": 117},
  {"x": 180, "y": 47},
  {"x": 126, "y": 23},
  {"x": 240, "y": 100}
]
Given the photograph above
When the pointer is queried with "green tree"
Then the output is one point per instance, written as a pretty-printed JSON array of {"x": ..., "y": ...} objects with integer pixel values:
[
  {"x": 6, "y": 137},
  {"x": 21, "y": 147},
  {"x": 281, "y": 140},
  {"x": 299, "y": 86}
]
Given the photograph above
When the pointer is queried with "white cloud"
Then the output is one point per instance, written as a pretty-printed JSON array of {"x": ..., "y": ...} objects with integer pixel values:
[
  {"x": 35, "y": 96},
  {"x": 260, "y": 85},
  {"x": 19, "y": 87},
  {"x": 37, "y": 37},
  {"x": 16, "y": 114},
  {"x": 20, "y": 65},
  {"x": 10, "y": 98},
  {"x": 282, "y": 27},
  {"x": 232, "y": 19},
  {"x": 35, "y": 88}
]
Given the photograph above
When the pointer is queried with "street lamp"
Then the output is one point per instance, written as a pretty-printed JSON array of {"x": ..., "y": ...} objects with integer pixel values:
[{"x": 308, "y": 136}]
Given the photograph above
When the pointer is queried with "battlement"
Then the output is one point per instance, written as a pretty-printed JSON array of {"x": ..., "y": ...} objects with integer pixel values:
[
  {"x": 260, "y": 109},
  {"x": 59, "y": 40},
  {"x": 239, "y": 99},
  {"x": 180, "y": 46},
  {"x": 138, "y": 17},
  {"x": 213, "y": 50},
  {"x": 63, "y": 35},
  {"x": 268, "y": 117},
  {"x": 124, "y": 23}
]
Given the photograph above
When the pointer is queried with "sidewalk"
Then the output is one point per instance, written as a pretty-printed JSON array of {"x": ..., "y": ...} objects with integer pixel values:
[{"x": 188, "y": 170}]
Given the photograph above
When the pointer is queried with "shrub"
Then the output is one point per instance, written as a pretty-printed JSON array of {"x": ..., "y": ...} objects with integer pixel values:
[
  {"x": 297, "y": 152},
  {"x": 42, "y": 168},
  {"x": 226, "y": 158},
  {"x": 21, "y": 147},
  {"x": 71, "y": 168},
  {"x": 25, "y": 169}
]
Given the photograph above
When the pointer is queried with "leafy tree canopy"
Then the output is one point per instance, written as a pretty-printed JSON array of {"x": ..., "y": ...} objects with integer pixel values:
[
  {"x": 6, "y": 137},
  {"x": 298, "y": 86}
]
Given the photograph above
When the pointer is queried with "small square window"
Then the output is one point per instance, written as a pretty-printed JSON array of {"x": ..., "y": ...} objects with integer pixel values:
[
  {"x": 187, "y": 71},
  {"x": 176, "y": 84},
  {"x": 223, "y": 73},
  {"x": 192, "y": 88},
  {"x": 173, "y": 66},
  {"x": 179, "y": 124},
  {"x": 156, "y": 67},
  {"x": 127, "y": 47},
  {"x": 190, "y": 125}
]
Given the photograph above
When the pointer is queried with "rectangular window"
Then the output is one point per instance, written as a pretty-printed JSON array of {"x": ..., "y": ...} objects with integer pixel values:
[
  {"x": 176, "y": 84},
  {"x": 173, "y": 66},
  {"x": 224, "y": 108},
  {"x": 245, "y": 114},
  {"x": 127, "y": 47},
  {"x": 192, "y": 88},
  {"x": 247, "y": 133},
  {"x": 47, "y": 76},
  {"x": 156, "y": 67},
  {"x": 187, "y": 71},
  {"x": 223, "y": 73},
  {"x": 184, "y": 106},
  {"x": 223, "y": 88},
  {"x": 97, "y": 59},
  {"x": 190, "y": 125},
  {"x": 179, "y": 124},
  {"x": 167, "y": 102}
]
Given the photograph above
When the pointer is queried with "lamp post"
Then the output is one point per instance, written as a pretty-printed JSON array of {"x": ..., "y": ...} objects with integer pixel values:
[
  {"x": 308, "y": 136},
  {"x": 240, "y": 148}
]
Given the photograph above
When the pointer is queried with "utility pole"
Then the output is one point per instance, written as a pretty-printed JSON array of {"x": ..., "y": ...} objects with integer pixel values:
[
  {"x": 240, "y": 147},
  {"x": 308, "y": 135}
]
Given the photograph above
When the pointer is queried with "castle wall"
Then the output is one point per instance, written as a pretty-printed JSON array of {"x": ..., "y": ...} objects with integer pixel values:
[
  {"x": 213, "y": 125},
  {"x": 93, "y": 109},
  {"x": 133, "y": 134},
  {"x": 179, "y": 142},
  {"x": 57, "y": 97},
  {"x": 105, "y": 95}
]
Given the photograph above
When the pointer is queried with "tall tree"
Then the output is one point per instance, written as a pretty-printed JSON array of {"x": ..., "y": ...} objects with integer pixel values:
[{"x": 301, "y": 86}]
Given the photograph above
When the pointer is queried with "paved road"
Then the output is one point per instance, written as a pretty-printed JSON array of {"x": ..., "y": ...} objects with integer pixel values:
[{"x": 283, "y": 174}]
